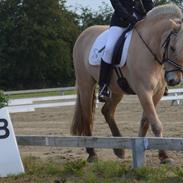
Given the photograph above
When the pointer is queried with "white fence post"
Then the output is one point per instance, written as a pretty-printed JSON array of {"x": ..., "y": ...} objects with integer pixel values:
[
  {"x": 138, "y": 152},
  {"x": 177, "y": 100}
]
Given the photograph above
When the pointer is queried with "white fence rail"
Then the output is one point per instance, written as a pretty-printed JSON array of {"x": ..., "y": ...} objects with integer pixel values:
[
  {"x": 137, "y": 145},
  {"x": 61, "y": 90},
  {"x": 174, "y": 95},
  {"x": 30, "y": 104}
]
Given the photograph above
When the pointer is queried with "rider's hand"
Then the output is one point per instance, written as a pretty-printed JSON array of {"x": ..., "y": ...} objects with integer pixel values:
[{"x": 132, "y": 19}]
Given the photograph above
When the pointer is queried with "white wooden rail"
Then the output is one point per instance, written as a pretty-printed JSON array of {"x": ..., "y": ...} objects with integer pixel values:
[
  {"x": 30, "y": 104},
  {"x": 174, "y": 95},
  {"x": 138, "y": 145},
  {"x": 61, "y": 90}
]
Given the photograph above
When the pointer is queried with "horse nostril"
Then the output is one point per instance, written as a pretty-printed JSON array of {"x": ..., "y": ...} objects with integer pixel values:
[{"x": 173, "y": 82}]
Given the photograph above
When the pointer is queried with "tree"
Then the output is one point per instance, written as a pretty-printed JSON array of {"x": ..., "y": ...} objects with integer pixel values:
[
  {"x": 36, "y": 43},
  {"x": 100, "y": 17},
  {"x": 160, "y": 2}
]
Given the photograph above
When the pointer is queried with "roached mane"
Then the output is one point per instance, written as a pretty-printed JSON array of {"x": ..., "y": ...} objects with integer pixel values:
[{"x": 171, "y": 10}]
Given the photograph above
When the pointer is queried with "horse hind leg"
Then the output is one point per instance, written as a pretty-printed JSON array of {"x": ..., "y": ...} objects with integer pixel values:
[
  {"x": 82, "y": 123},
  {"x": 108, "y": 111}
]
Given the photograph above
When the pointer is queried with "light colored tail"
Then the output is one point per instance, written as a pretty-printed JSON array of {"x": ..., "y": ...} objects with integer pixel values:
[{"x": 83, "y": 117}]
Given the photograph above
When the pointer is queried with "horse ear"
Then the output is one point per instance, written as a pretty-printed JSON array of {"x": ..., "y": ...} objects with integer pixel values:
[{"x": 176, "y": 24}]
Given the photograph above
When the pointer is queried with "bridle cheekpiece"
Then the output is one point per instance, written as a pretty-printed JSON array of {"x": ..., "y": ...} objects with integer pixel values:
[{"x": 165, "y": 45}]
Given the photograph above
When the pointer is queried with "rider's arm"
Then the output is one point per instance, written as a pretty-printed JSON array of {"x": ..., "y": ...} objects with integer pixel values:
[
  {"x": 119, "y": 9},
  {"x": 122, "y": 12},
  {"x": 148, "y": 4}
]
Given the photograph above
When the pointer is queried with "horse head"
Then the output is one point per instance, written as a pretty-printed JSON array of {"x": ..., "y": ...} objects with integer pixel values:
[
  {"x": 166, "y": 22},
  {"x": 173, "y": 53}
]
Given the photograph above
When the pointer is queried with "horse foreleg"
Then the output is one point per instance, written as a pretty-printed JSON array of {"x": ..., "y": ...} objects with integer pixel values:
[
  {"x": 150, "y": 117},
  {"x": 108, "y": 111},
  {"x": 144, "y": 126},
  {"x": 162, "y": 154}
]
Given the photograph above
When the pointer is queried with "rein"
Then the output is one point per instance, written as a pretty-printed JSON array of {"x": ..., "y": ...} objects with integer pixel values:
[
  {"x": 165, "y": 45},
  {"x": 147, "y": 46}
]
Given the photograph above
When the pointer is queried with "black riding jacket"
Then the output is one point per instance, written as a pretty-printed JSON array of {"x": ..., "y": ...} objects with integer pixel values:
[{"x": 123, "y": 9}]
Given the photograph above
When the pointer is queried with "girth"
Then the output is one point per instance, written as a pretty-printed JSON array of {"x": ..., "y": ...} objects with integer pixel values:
[{"x": 122, "y": 82}]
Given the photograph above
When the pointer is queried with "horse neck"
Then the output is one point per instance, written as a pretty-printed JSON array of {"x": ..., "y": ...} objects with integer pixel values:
[{"x": 155, "y": 33}]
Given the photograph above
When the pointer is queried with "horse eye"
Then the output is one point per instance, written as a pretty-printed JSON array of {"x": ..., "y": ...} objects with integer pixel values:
[{"x": 172, "y": 48}]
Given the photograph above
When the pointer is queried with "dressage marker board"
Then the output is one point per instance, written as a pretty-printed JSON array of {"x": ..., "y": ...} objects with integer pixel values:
[{"x": 10, "y": 160}]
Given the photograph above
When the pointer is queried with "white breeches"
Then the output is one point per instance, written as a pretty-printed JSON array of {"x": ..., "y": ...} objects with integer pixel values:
[{"x": 114, "y": 34}]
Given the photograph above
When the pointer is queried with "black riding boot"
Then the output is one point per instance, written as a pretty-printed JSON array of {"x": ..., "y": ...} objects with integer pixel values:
[{"x": 104, "y": 79}]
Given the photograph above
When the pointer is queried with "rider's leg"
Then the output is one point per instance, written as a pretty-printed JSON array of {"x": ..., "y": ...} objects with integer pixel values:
[
  {"x": 114, "y": 34},
  {"x": 104, "y": 79}
]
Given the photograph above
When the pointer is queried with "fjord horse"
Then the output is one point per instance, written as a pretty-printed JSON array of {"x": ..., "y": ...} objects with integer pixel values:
[{"x": 155, "y": 58}]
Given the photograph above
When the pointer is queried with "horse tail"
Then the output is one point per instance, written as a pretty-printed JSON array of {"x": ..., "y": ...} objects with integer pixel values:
[{"x": 82, "y": 123}]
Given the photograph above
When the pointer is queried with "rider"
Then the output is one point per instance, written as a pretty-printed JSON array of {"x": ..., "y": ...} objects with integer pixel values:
[{"x": 126, "y": 12}]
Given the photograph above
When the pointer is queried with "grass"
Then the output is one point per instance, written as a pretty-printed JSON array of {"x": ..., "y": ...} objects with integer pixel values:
[{"x": 79, "y": 171}]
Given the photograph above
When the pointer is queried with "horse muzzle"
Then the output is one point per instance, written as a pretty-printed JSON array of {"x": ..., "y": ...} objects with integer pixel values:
[
  {"x": 173, "y": 82},
  {"x": 172, "y": 79}
]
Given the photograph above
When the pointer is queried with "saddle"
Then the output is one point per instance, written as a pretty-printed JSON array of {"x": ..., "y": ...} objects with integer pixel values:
[
  {"x": 122, "y": 82},
  {"x": 119, "y": 48}
]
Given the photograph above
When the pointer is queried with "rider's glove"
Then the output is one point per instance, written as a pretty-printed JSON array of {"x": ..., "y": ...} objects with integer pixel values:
[{"x": 132, "y": 20}]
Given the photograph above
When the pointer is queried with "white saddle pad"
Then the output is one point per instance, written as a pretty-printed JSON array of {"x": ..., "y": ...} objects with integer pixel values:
[{"x": 97, "y": 49}]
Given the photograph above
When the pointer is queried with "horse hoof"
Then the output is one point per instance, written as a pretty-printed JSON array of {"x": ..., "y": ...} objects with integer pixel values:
[
  {"x": 120, "y": 153},
  {"x": 167, "y": 161},
  {"x": 92, "y": 158}
]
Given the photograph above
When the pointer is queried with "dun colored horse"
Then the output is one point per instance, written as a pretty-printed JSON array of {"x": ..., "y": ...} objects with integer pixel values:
[{"x": 155, "y": 58}]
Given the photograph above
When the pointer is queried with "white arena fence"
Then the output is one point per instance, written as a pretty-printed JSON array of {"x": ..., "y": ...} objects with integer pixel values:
[
  {"x": 31, "y": 104},
  {"x": 138, "y": 145},
  {"x": 61, "y": 90},
  {"x": 174, "y": 95}
]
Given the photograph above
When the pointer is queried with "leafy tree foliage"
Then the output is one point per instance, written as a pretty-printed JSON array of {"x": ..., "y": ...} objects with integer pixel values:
[
  {"x": 36, "y": 39},
  {"x": 100, "y": 17},
  {"x": 160, "y": 2},
  {"x": 3, "y": 100},
  {"x": 103, "y": 15}
]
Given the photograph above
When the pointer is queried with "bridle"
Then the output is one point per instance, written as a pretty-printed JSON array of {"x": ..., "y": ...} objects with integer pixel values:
[{"x": 166, "y": 46}]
